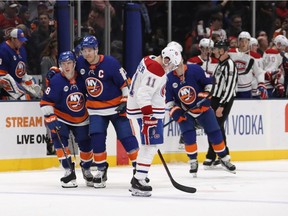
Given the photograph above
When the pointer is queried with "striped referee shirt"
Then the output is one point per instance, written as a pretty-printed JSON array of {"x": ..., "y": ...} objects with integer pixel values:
[{"x": 226, "y": 81}]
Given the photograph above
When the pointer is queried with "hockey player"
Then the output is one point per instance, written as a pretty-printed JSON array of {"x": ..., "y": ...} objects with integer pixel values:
[
  {"x": 274, "y": 72},
  {"x": 146, "y": 103},
  {"x": 247, "y": 68},
  {"x": 107, "y": 91},
  {"x": 63, "y": 106},
  {"x": 187, "y": 87},
  {"x": 205, "y": 45},
  {"x": 14, "y": 80}
]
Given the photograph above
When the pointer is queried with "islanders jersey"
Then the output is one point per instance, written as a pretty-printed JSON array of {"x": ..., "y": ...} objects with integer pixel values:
[
  {"x": 12, "y": 61},
  {"x": 147, "y": 88},
  {"x": 67, "y": 98},
  {"x": 103, "y": 83},
  {"x": 184, "y": 90}
]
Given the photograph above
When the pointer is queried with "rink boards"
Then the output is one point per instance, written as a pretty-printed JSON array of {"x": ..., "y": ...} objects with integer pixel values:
[{"x": 255, "y": 130}]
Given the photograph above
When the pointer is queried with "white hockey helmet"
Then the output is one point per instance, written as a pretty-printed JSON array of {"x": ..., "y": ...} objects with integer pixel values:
[
  {"x": 281, "y": 39},
  {"x": 206, "y": 43},
  {"x": 173, "y": 54},
  {"x": 175, "y": 44},
  {"x": 244, "y": 34},
  {"x": 253, "y": 41}
]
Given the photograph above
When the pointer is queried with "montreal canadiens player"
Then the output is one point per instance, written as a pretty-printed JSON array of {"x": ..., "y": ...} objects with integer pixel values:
[
  {"x": 146, "y": 103},
  {"x": 63, "y": 106}
]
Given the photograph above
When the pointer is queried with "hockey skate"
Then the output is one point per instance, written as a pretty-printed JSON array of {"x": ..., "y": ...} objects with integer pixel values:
[
  {"x": 87, "y": 175},
  {"x": 100, "y": 178},
  {"x": 210, "y": 164},
  {"x": 146, "y": 179},
  {"x": 140, "y": 188},
  {"x": 69, "y": 179},
  {"x": 193, "y": 168},
  {"x": 227, "y": 165}
]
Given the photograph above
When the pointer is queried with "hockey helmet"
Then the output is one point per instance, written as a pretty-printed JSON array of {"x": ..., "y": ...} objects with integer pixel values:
[
  {"x": 89, "y": 41},
  {"x": 206, "y": 43},
  {"x": 222, "y": 44},
  {"x": 173, "y": 54},
  {"x": 281, "y": 39},
  {"x": 175, "y": 44},
  {"x": 66, "y": 56},
  {"x": 253, "y": 41},
  {"x": 244, "y": 34}
]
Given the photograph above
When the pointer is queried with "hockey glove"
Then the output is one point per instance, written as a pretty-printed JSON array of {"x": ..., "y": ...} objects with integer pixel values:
[
  {"x": 52, "y": 71},
  {"x": 270, "y": 75},
  {"x": 203, "y": 102},
  {"x": 177, "y": 114},
  {"x": 121, "y": 109},
  {"x": 52, "y": 122},
  {"x": 262, "y": 91},
  {"x": 148, "y": 122},
  {"x": 280, "y": 90}
]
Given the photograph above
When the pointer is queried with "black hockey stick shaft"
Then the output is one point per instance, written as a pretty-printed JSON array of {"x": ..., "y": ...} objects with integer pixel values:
[
  {"x": 174, "y": 183},
  {"x": 63, "y": 148}
]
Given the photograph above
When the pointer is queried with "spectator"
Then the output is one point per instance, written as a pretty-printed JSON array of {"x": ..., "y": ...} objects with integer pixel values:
[
  {"x": 216, "y": 27},
  {"x": 39, "y": 39},
  {"x": 24, "y": 15},
  {"x": 283, "y": 30},
  {"x": 281, "y": 9},
  {"x": 48, "y": 59},
  {"x": 9, "y": 19},
  {"x": 235, "y": 26}
]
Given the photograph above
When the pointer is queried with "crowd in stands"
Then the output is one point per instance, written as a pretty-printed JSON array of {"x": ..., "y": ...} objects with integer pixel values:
[{"x": 192, "y": 21}]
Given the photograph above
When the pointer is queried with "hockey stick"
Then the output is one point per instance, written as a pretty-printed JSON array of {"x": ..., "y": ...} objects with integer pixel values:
[
  {"x": 250, "y": 64},
  {"x": 63, "y": 149},
  {"x": 174, "y": 183}
]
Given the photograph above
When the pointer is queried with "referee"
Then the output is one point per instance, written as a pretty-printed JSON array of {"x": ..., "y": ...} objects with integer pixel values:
[{"x": 224, "y": 92}]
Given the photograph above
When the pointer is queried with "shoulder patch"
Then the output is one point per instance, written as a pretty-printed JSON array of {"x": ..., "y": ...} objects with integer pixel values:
[{"x": 154, "y": 67}]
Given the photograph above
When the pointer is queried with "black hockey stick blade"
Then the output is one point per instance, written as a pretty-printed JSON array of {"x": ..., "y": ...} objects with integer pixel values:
[{"x": 174, "y": 183}]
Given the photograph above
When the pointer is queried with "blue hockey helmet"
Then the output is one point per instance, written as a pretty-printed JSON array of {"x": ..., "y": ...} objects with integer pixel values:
[
  {"x": 89, "y": 41},
  {"x": 66, "y": 56}
]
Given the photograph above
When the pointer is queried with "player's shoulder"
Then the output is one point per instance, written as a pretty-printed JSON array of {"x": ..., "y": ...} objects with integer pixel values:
[
  {"x": 232, "y": 50},
  {"x": 195, "y": 60},
  {"x": 272, "y": 51},
  {"x": 154, "y": 67},
  {"x": 255, "y": 55}
]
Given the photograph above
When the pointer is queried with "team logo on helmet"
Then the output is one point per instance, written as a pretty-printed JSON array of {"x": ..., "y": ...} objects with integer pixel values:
[
  {"x": 187, "y": 95},
  {"x": 75, "y": 101},
  {"x": 20, "y": 69},
  {"x": 94, "y": 86}
]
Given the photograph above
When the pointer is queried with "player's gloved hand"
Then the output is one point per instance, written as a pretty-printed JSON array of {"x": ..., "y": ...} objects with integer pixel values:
[
  {"x": 270, "y": 75},
  {"x": 280, "y": 90},
  {"x": 51, "y": 72},
  {"x": 262, "y": 91},
  {"x": 121, "y": 109},
  {"x": 205, "y": 99},
  {"x": 52, "y": 122},
  {"x": 177, "y": 114},
  {"x": 148, "y": 122}
]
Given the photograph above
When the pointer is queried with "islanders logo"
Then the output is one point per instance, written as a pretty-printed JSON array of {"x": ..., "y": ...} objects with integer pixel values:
[
  {"x": 187, "y": 95},
  {"x": 75, "y": 101},
  {"x": 94, "y": 86},
  {"x": 20, "y": 69}
]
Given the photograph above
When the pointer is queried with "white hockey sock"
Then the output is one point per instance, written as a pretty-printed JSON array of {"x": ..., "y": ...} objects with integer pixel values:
[{"x": 144, "y": 160}]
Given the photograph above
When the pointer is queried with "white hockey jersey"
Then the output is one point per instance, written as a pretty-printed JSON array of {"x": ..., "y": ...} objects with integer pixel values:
[
  {"x": 212, "y": 64},
  {"x": 147, "y": 88},
  {"x": 245, "y": 74},
  {"x": 272, "y": 61}
]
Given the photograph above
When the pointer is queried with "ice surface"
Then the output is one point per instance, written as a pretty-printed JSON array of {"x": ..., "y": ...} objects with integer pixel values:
[{"x": 258, "y": 189}]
